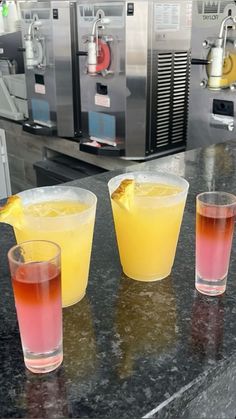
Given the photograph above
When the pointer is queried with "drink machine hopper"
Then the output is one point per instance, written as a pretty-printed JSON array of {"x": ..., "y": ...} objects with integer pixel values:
[
  {"x": 213, "y": 73},
  {"x": 50, "y": 44},
  {"x": 134, "y": 76}
]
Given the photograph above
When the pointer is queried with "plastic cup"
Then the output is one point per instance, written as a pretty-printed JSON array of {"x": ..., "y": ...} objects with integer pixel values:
[
  {"x": 147, "y": 233},
  {"x": 64, "y": 215},
  {"x": 35, "y": 268}
]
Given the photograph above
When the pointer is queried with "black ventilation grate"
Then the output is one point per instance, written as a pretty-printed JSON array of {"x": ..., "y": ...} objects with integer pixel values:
[{"x": 170, "y": 91}]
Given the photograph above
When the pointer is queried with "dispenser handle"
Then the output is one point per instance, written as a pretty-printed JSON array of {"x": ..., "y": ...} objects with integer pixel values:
[
  {"x": 81, "y": 53},
  {"x": 199, "y": 61}
]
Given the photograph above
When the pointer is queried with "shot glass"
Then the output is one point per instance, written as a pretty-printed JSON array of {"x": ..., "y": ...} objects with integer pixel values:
[
  {"x": 215, "y": 216},
  {"x": 35, "y": 268}
]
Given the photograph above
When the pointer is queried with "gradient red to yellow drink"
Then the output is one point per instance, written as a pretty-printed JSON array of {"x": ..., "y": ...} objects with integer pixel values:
[
  {"x": 215, "y": 216},
  {"x": 147, "y": 210},
  {"x": 36, "y": 281}
]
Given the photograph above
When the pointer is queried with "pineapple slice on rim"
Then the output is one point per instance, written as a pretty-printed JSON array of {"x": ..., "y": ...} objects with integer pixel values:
[
  {"x": 124, "y": 194},
  {"x": 12, "y": 211}
]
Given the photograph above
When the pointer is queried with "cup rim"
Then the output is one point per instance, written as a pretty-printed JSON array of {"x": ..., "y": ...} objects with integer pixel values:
[
  {"x": 209, "y": 204},
  {"x": 61, "y": 217},
  {"x": 11, "y": 250},
  {"x": 126, "y": 175}
]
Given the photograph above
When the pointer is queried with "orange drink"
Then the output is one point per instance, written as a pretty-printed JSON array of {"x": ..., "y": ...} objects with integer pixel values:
[
  {"x": 147, "y": 209},
  {"x": 64, "y": 215}
]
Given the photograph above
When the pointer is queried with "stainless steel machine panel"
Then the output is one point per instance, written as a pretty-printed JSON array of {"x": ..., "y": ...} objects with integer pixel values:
[
  {"x": 39, "y": 67},
  {"x": 50, "y": 40},
  {"x": 65, "y": 47},
  {"x": 136, "y": 55},
  {"x": 137, "y": 102},
  {"x": 213, "y": 73},
  {"x": 168, "y": 59},
  {"x": 103, "y": 95}
]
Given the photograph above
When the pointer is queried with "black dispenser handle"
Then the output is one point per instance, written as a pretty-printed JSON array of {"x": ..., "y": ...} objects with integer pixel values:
[
  {"x": 199, "y": 61},
  {"x": 82, "y": 53}
]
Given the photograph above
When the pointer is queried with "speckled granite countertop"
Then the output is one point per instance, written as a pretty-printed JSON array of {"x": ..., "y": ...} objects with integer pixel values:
[{"x": 133, "y": 349}]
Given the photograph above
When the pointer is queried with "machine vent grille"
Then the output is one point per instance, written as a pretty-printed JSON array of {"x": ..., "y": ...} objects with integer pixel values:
[
  {"x": 169, "y": 104},
  {"x": 212, "y": 6}
]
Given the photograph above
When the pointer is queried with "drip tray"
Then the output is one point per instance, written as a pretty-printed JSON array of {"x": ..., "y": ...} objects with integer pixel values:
[{"x": 60, "y": 169}]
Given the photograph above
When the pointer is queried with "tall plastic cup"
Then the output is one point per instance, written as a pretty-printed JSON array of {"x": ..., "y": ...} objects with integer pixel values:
[
  {"x": 64, "y": 215},
  {"x": 147, "y": 219}
]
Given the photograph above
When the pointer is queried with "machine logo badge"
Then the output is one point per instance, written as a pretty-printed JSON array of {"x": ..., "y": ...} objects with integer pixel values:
[{"x": 210, "y": 17}]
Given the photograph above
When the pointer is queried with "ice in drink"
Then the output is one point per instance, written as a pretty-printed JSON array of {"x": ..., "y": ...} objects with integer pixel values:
[{"x": 75, "y": 241}]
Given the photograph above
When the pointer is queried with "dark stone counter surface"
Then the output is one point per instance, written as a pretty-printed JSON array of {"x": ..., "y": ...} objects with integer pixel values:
[{"x": 133, "y": 349}]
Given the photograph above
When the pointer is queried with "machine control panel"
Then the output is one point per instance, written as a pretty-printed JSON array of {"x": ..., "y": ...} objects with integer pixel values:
[
  {"x": 130, "y": 9},
  {"x": 101, "y": 89},
  {"x": 55, "y": 13},
  {"x": 223, "y": 107}
]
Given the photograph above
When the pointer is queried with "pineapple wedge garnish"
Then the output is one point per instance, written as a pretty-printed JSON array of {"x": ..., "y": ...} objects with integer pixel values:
[
  {"x": 12, "y": 211},
  {"x": 124, "y": 194}
]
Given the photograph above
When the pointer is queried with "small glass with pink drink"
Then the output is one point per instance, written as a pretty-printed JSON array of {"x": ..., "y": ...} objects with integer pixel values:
[
  {"x": 215, "y": 217},
  {"x": 35, "y": 268}
]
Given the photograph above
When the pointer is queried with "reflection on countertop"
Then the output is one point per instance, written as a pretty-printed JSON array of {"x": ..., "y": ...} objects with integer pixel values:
[
  {"x": 79, "y": 341},
  {"x": 145, "y": 319},
  {"x": 45, "y": 396},
  {"x": 207, "y": 326}
]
